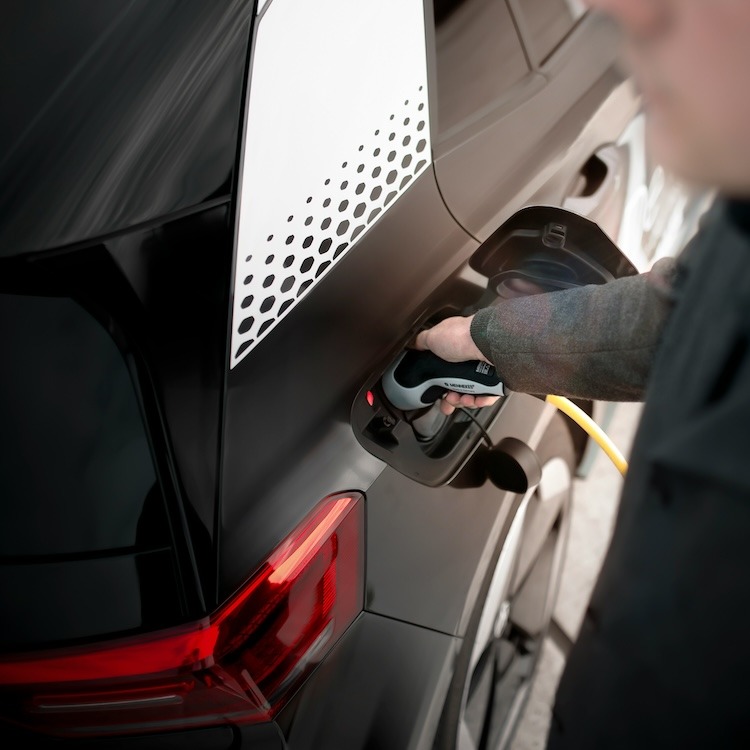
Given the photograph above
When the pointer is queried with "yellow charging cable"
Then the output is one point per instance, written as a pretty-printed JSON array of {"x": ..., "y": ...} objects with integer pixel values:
[{"x": 580, "y": 417}]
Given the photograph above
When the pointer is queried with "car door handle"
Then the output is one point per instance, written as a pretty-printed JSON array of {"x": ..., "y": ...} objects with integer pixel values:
[{"x": 598, "y": 182}]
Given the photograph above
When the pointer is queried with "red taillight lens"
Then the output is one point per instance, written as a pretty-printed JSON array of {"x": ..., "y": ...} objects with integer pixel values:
[{"x": 236, "y": 665}]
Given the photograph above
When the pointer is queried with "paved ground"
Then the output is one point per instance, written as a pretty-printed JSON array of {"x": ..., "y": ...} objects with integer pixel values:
[{"x": 594, "y": 506}]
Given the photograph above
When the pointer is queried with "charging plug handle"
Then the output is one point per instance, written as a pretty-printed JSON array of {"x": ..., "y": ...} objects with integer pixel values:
[{"x": 419, "y": 378}]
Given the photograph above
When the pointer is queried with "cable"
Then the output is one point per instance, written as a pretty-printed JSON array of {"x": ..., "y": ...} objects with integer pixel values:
[
  {"x": 580, "y": 417},
  {"x": 487, "y": 438}
]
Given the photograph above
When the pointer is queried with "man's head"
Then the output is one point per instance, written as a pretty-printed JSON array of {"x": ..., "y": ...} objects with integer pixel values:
[{"x": 691, "y": 61}]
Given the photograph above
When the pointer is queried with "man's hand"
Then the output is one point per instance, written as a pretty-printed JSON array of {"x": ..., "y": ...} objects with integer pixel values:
[{"x": 451, "y": 340}]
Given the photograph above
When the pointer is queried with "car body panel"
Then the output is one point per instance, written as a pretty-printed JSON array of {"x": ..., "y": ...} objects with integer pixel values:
[
  {"x": 399, "y": 708},
  {"x": 583, "y": 86},
  {"x": 321, "y": 353},
  {"x": 132, "y": 112},
  {"x": 428, "y": 551}
]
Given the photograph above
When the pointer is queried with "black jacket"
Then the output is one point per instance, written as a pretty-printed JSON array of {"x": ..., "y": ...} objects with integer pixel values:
[{"x": 663, "y": 657}]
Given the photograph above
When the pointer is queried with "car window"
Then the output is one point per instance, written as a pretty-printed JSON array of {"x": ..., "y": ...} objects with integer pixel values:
[
  {"x": 85, "y": 541},
  {"x": 547, "y": 22},
  {"x": 479, "y": 58},
  {"x": 75, "y": 466}
]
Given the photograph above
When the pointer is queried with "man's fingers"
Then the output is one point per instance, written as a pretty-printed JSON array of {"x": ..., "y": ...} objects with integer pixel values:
[
  {"x": 446, "y": 407},
  {"x": 467, "y": 400},
  {"x": 419, "y": 341}
]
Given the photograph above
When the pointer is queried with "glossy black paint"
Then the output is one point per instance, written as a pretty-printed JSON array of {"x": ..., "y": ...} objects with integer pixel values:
[{"x": 116, "y": 113}]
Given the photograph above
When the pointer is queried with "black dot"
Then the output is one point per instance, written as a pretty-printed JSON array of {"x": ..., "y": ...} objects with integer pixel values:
[
  {"x": 287, "y": 284},
  {"x": 268, "y": 281},
  {"x": 248, "y": 279},
  {"x": 391, "y": 117},
  {"x": 421, "y": 125},
  {"x": 248, "y": 259},
  {"x": 360, "y": 188},
  {"x": 359, "y": 210},
  {"x": 376, "y": 191},
  {"x": 267, "y": 304},
  {"x": 390, "y": 197},
  {"x": 357, "y": 231},
  {"x": 303, "y": 287},
  {"x": 325, "y": 246},
  {"x": 421, "y": 145},
  {"x": 307, "y": 264},
  {"x": 406, "y": 102},
  {"x": 344, "y": 165},
  {"x": 405, "y": 181},
  {"x": 391, "y": 176},
  {"x": 420, "y": 88},
  {"x": 360, "y": 148},
  {"x": 246, "y": 324},
  {"x": 309, "y": 199},
  {"x": 308, "y": 241},
  {"x": 419, "y": 166},
  {"x": 343, "y": 205},
  {"x": 377, "y": 132},
  {"x": 290, "y": 239},
  {"x": 247, "y": 302},
  {"x": 328, "y": 182},
  {"x": 326, "y": 203},
  {"x": 342, "y": 228},
  {"x": 284, "y": 307},
  {"x": 288, "y": 261},
  {"x": 325, "y": 223},
  {"x": 244, "y": 347},
  {"x": 269, "y": 260},
  {"x": 406, "y": 161},
  {"x": 376, "y": 152},
  {"x": 391, "y": 156},
  {"x": 361, "y": 168},
  {"x": 270, "y": 237},
  {"x": 322, "y": 268},
  {"x": 391, "y": 136},
  {"x": 265, "y": 326},
  {"x": 407, "y": 140},
  {"x": 344, "y": 185},
  {"x": 308, "y": 221},
  {"x": 373, "y": 214},
  {"x": 407, "y": 121},
  {"x": 340, "y": 249},
  {"x": 421, "y": 107},
  {"x": 290, "y": 218},
  {"x": 376, "y": 171}
]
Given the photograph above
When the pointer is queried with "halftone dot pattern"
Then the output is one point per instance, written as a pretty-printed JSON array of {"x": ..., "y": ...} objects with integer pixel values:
[{"x": 317, "y": 233}]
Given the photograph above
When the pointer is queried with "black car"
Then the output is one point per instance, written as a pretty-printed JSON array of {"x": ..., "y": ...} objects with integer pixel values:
[{"x": 220, "y": 223}]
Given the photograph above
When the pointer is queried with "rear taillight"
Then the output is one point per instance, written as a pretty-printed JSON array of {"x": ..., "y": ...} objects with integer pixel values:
[{"x": 238, "y": 665}]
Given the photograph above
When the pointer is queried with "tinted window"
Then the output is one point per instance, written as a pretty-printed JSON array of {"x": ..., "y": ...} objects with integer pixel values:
[
  {"x": 548, "y": 22},
  {"x": 479, "y": 57},
  {"x": 75, "y": 465},
  {"x": 85, "y": 543}
]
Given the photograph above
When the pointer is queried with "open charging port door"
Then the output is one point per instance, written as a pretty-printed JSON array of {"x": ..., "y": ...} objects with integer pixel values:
[{"x": 539, "y": 249}]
